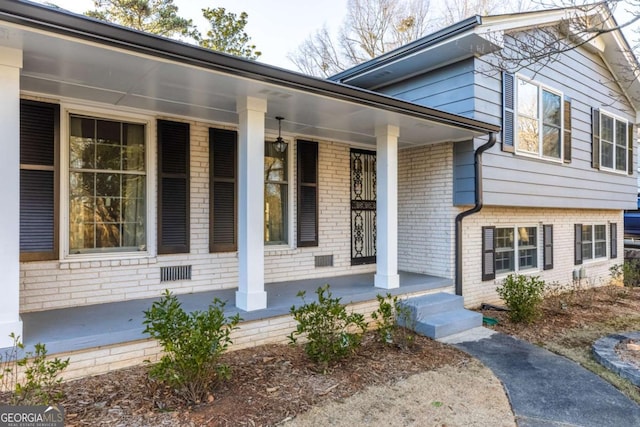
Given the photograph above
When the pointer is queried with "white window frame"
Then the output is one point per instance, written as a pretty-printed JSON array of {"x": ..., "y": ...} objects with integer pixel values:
[
  {"x": 540, "y": 87},
  {"x": 149, "y": 122},
  {"x": 616, "y": 118},
  {"x": 516, "y": 249},
  {"x": 607, "y": 241},
  {"x": 291, "y": 184}
]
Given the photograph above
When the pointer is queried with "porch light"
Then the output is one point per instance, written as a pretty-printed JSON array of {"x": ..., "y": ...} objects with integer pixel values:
[{"x": 280, "y": 144}]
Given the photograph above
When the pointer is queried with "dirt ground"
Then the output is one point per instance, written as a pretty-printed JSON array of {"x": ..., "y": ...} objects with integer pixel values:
[{"x": 430, "y": 385}]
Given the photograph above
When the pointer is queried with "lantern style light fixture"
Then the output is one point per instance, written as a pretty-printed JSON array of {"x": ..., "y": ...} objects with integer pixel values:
[{"x": 280, "y": 144}]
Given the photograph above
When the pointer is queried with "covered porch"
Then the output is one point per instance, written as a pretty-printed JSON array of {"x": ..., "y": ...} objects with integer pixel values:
[
  {"x": 81, "y": 328},
  {"x": 71, "y": 298}
]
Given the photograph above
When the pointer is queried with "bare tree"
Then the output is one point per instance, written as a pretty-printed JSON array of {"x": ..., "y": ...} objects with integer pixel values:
[
  {"x": 374, "y": 27},
  {"x": 581, "y": 25},
  {"x": 371, "y": 28},
  {"x": 457, "y": 10}
]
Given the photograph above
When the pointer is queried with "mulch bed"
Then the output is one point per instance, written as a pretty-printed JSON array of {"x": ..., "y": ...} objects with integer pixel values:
[{"x": 268, "y": 385}]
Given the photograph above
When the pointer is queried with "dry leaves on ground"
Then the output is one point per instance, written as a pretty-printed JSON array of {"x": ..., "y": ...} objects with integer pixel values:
[{"x": 269, "y": 384}]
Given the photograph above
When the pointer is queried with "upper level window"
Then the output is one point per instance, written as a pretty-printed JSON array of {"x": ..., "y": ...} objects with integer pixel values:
[
  {"x": 276, "y": 190},
  {"x": 613, "y": 142},
  {"x": 107, "y": 184},
  {"x": 539, "y": 120}
]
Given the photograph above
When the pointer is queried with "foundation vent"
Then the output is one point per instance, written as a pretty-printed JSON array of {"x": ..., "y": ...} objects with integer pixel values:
[
  {"x": 324, "y": 261},
  {"x": 175, "y": 273}
]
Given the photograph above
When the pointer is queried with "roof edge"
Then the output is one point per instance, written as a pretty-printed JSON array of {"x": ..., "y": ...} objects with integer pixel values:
[
  {"x": 417, "y": 45},
  {"x": 62, "y": 22}
]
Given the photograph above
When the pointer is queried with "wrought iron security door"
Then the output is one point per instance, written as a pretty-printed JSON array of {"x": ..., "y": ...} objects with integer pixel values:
[{"x": 363, "y": 207}]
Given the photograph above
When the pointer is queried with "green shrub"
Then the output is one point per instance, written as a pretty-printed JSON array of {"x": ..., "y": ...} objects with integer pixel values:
[
  {"x": 628, "y": 272},
  {"x": 387, "y": 315},
  {"x": 41, "y": 376},
  {"x": 192, "y": 343},
  {"x": 330, "y": 331},
  {"x": 522, "y": 295}
]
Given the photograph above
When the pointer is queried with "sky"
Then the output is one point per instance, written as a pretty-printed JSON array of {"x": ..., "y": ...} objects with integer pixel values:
[{"x": 275, "y": 27}]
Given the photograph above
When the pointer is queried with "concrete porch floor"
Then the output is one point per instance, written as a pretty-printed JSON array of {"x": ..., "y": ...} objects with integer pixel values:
[{"x": 79, "y": 328}]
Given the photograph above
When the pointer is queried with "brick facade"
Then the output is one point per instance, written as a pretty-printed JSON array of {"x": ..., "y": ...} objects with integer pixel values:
[
  {"x": 425, "y": 210},
  {"x": 596, "y": 272},
  {"x": 58, "y": 284}
]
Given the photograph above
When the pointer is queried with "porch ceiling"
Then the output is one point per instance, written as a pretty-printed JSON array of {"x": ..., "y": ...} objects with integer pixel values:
[{"x": 125, "y": 74}]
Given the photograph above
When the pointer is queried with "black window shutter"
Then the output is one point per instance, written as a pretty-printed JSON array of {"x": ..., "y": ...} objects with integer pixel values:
[
  {"x": 630, "y": 167},
  {"x": 173, "y": 187},
  {"x": 595, "y": 138},
  {"x": 577, "y": 257},
  {"x": 567, "y": 130},
  {"x": 613, "y": 231},
  {"x": 307, "y": 165},
  {"x": 547, "y": 241},
  {"x": 508, "y": 112},
  {"x": 488, "y": 253},
  {"x": 223, "y": 166},
  {"x": 39, "y": 147}
]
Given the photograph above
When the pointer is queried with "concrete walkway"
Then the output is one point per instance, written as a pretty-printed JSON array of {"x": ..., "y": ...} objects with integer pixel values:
[{"x": 546, "y": 389}]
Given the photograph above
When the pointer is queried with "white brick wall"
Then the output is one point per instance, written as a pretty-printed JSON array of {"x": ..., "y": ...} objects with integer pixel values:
[
  {"x": 425, "y": 210},
  {"x": 476, "y": 291},
  {"x": 58, "y": 284}
]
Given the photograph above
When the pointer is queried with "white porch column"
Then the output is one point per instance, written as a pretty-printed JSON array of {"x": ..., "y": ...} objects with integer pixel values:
[
  {"x": 387, "y": 207},
  {"x": 251, "y": 294},
  {"x": 10, "y": 65}
]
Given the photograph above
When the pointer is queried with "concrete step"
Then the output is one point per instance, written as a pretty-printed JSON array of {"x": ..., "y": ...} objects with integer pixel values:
[
  {"x": 434, "y": 303},
  {"x": 438, "y": 315},
  {"x": 444, "y": 324}
]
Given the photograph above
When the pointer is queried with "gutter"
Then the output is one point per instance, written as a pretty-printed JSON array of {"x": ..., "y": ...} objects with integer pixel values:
[{"x": 478, "y": 206}]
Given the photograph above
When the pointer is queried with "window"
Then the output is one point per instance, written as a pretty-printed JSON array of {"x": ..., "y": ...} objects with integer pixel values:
[
  {"x": 107, "y": 185},
  {"x": 539, "y": 120},
  {"x": 536, "y": 120},
  {"x": 594, "y": 242},
  {"x": 515, "y": 249},
  {"x": 275, "y": 195},
  {"x": 613, "y": 142}
]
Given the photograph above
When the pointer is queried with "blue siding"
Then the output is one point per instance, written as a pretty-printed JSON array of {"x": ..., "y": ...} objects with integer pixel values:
[
  {"x": 517, "y": 180},
  {"x": 463, "y": 173},
  {"x": 470, "y": 88},
  {"x": 450, "y": 88}
]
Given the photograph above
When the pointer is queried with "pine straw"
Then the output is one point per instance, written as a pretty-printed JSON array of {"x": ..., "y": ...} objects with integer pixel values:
[{"x": 269, "y": 384}]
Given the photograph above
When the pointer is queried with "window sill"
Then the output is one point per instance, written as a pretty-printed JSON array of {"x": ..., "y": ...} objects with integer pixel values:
[
  {"x": 278, "y": 249},
  {"x": 107, "y": 260},
  {"x": 525, "y": 155},
  {"x": 614, "y": 171},
  {"x": 502, "y": 276},
  {"x": 594, "y": 262}
]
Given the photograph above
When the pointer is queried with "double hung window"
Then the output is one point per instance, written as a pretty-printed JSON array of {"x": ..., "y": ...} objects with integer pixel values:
[
  {"x": 539, "y": 120},
  {"x": 107, "y": 185}
]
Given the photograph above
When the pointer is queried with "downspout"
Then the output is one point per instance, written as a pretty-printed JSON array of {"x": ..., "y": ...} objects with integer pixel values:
[{"x": 478, "y": 205}]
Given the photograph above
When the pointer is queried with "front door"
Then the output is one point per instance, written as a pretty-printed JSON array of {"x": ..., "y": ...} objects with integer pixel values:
[{"x": 363, "y": 207}]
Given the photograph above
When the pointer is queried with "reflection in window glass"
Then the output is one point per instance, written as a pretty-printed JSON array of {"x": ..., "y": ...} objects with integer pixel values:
[
  {"x": 539, "y": 114},
  {"x": 613, "y": 143},
  {"x": 516, "y": 249},
  {"x": 107, "y": 181},
  {"x": 275, "y": 196},
  {"x": 504, "y": 252}
]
